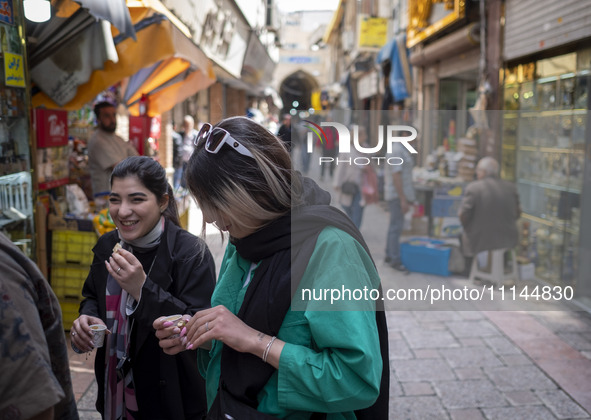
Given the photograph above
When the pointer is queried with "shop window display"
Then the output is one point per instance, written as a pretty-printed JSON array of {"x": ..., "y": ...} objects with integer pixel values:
[
  {"x": 16, "y": 206},
  {"x": 544, "y": 153}
]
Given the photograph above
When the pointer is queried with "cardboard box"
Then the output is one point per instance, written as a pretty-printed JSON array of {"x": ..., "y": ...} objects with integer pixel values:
[{"x": 55, "y": 222}]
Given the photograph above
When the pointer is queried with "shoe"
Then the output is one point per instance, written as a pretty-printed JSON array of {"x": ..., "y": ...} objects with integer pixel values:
[
  {"x": 399, "y": 267},
  {"x": 388, "y": 260}
]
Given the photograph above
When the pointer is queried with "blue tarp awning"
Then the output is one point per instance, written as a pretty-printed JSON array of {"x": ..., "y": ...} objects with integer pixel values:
[{"x": 396, "y": 52}]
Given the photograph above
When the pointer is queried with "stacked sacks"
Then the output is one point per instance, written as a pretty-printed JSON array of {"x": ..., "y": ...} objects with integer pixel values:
[{"x": 467, "y": 164}]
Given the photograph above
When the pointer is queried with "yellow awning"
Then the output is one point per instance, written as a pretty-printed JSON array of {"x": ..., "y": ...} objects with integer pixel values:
[
  {"x": 161, "y": 38},
  {"x": 334, "y": 22}
]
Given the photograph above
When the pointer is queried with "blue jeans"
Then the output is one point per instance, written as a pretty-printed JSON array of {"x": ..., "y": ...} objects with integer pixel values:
[
  {"x": 355, "y": 210},
  {"x": 394, "y": 231},
  {"x": 178, "y": 180}
]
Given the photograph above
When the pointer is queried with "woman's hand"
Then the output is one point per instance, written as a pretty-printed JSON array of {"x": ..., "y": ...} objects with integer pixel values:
[
  {"x": 126, "y": 269},
  {"x": 170, "y": 336},
  {"x": 220, "y": 324},
  {"x": 81, "y": 335}
]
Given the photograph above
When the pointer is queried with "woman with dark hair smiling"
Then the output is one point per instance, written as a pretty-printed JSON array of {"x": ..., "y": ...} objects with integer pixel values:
[
  {"x": 271, "y": 353},
  {"x": 160, "y": 269}
]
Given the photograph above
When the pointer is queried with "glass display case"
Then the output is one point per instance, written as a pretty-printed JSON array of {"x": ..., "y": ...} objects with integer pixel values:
[
  {"x": 543, "y": 152},
  {"x": 16, "y": 206}
]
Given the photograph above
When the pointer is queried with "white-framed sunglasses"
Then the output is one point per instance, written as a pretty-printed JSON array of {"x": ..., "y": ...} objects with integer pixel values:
[{"x": 215, "y": 138}]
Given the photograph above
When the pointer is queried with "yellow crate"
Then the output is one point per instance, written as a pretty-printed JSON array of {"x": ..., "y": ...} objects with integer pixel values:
[
  {"x": 67, "y": 280},
  {"x": 72, "y": 247},
  {"x": 69, "y": 311}
]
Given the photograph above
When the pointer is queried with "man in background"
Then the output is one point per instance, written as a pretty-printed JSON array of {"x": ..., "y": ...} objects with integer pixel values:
[
  {"x": 400, "y": 194},
  {"x": 488, "y": 212},
  {"x": 177, "y": 155},
  {"x": 188, "y": 136},
  {"x": 105, "y": 150},
  {"x": 35, "y": 382},
  {"x": 284, "y": 132}
]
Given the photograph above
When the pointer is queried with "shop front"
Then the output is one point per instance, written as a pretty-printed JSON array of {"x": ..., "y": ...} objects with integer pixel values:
[
  {"x": 546, "y": 139},
  {"x": 16, "y": 151},
  {"x": 448, "y": 80}
]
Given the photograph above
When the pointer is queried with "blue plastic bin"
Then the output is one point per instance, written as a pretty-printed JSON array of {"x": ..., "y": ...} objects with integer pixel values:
[{"x": 425, "y": 255}]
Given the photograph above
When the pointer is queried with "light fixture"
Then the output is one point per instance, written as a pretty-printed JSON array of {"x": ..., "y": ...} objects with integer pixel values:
[{"x": 37, "y": 10}]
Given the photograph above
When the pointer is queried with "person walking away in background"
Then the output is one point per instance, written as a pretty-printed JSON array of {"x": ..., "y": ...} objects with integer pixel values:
[
  {"x": 105, "y": 150},
  {"x": 160, "y": 270},
  {"x": 284, "y": 132},
  {"x": 329, "y": 149},
  {"x": 348, "y": 181},
  {"x": 35, "y": 382},
  {"x": 265, "y": 357},
  {"x": 188, "y": 135},
  {"x": 399, "y": 194},
  {"x": 177, "y": 157},
  {"x": 488, "y": 212}
]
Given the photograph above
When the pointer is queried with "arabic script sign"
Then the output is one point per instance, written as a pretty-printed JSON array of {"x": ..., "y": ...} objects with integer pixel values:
[{"x": 14, "y": 72}]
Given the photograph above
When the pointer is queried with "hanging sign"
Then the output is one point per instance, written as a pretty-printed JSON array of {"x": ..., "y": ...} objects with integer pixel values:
[
  {"x": 14, "y": 71},
  {"x": 6, "y": 14},
  {"x": 373, "y": 32}
]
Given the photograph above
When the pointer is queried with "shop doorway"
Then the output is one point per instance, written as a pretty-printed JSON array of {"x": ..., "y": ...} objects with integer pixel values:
[{"x": 456, "y": 96}]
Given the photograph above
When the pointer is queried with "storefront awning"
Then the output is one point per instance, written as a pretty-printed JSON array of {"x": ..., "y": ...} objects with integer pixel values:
[
  {"x": 257, "y": 66},
  {"x": 334, "y": 23},
  {"x": 396, "y": 53},
  {"x": 163, "y": 44},
  {"x": 114, "y": 11},
  {"x": 169, "y": 81}
]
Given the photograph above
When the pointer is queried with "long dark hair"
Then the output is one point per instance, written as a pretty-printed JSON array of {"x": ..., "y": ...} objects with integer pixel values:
[{"x": 153, "y": 176}]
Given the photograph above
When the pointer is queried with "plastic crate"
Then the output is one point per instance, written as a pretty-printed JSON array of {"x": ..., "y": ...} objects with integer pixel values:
[
  {"x": 425, "y": 255},
  {"x": 72, "y": 247},
  {"x": 67, "y": 281},
  {"x": 69, "y": 312}
]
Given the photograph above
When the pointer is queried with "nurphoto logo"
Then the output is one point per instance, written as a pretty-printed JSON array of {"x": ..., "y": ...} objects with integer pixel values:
[{"x": 390, "y": 135}]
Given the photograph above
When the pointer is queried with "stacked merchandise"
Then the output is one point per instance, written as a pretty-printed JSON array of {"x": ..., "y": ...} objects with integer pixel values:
[
  {"x": 71, "y": 257},
  {"x": 467, "y": 165}
]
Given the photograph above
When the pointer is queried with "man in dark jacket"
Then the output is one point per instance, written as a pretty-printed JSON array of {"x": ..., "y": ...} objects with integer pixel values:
[
  {"x": 177, "y": 154},
  {"x": 284, "y": 132},
  {"x": 35, "y": 380},
  {"x": 489, "y": 211}
]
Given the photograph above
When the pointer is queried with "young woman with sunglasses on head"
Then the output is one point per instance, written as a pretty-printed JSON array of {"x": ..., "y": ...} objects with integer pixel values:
[
  {"x": 267, "y": 358},
  {"x": 160, "y": 270}
]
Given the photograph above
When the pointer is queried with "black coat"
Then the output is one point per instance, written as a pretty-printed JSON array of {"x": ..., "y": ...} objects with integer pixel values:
[
  {"x": 177, "y": 150},
  {"x": 181, "y": 281}
]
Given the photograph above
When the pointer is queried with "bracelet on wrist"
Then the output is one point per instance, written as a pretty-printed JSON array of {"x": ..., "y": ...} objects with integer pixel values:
[{"x": 268, "y": 348}]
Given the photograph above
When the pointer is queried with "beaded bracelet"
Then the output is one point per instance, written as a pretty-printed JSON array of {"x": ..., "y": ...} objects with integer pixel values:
[{"x": 268, "y": 348}]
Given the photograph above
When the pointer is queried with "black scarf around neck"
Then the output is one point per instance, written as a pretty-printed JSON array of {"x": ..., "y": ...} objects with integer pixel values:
[{"x": 284, "y": 248}]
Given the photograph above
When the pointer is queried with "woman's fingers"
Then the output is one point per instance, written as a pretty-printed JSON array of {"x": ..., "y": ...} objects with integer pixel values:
[
  {"x": 171, "y": 346},
  {"x": 219, "y": 324},
  {"x": 169, "y": 335},
  {"x": 81, "y": 334}
]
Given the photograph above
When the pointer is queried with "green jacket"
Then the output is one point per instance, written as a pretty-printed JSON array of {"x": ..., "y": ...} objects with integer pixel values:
[{"x": 331, "y": 360}]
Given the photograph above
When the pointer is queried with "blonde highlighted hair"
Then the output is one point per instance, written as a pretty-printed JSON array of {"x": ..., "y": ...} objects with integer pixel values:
[{"x": 249, "y": 192}]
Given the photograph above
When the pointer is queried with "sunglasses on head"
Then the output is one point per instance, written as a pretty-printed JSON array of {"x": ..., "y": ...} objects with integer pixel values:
[{"x": 215, "y": 138}]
